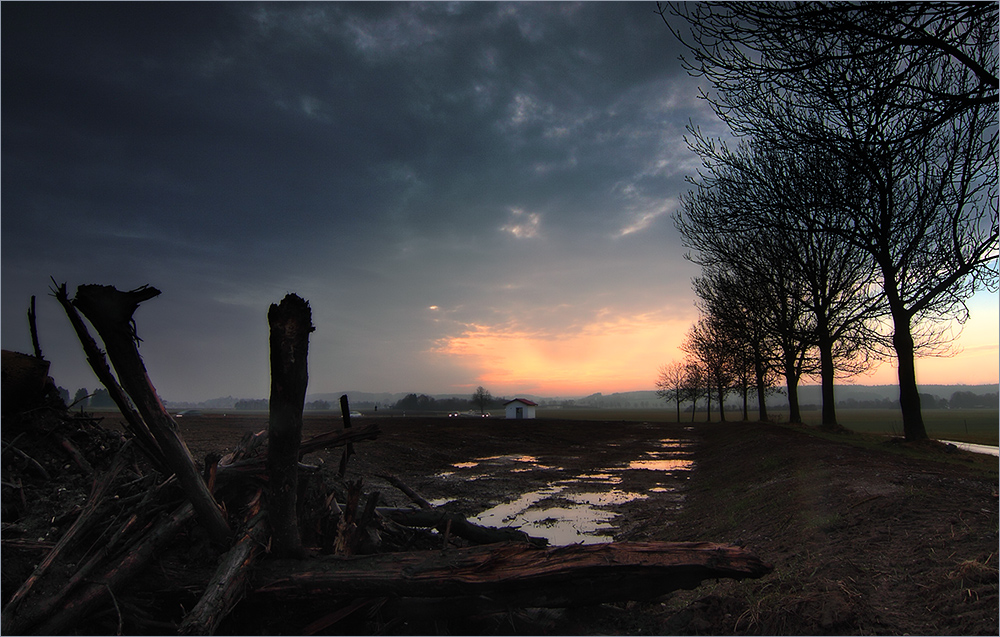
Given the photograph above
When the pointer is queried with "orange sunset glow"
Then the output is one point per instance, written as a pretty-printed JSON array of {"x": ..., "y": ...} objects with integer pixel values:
[
  {"x": 616, "y": 354},
  {"x": 609, "y": 354}
]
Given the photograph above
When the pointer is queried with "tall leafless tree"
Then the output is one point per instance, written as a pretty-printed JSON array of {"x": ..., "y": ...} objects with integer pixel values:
[{"x": 905, "y": 94}]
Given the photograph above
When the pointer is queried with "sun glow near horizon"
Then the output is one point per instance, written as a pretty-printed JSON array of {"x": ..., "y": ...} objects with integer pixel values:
[
  {"x": 617, "y": 353},
  {"x": 607, "y": 354}
]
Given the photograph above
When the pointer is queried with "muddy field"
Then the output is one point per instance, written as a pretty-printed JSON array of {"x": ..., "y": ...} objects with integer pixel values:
[
  {"x": 866, "y": 537},
  {"x": 880, "y": 540}
]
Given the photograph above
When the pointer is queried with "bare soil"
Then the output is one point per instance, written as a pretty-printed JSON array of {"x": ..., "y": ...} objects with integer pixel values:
[{"x": 866, "y": 536}]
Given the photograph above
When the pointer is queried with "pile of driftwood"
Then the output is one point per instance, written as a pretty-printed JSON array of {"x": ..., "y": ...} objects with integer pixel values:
[{"x": 163, "y": 546}]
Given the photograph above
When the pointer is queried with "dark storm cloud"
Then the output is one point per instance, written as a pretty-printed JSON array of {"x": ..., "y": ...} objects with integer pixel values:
[{"x": 377, "y": 158}]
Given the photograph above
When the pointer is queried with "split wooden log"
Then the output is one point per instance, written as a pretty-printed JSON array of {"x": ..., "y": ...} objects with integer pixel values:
[
  {"x": 227, "y": 585},
  {"x": 110, "y": 312},
  {"x": 515, "y": 574},
  {"x": 290, "y": 324}
]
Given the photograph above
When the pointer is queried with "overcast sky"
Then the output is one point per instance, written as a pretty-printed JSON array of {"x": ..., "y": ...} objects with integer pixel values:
[{"x": 466, "y": 194}]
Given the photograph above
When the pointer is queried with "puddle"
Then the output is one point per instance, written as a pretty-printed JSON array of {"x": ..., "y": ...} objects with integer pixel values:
[
  {"x": 674, "y": 464},
  {"x": 577, "y": 521},
  {"x": 573, "y": 510}
]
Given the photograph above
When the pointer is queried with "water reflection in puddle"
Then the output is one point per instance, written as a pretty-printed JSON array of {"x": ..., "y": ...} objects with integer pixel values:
[
  {"x": 568, "y": 519},
  {"x": 573, "y": 510},
  {"x": 674, "y": 464}
]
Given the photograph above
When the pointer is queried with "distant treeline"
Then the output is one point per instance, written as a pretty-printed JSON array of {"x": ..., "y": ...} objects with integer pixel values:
[
  {"x": 423, "y": 402},
  {"x": 261, "y": 404}
]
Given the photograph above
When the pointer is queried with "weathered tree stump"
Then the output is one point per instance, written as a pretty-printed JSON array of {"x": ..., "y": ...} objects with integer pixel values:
[
  {"x": 290, "y": 323},
  {"x": 110, "y": 312}
]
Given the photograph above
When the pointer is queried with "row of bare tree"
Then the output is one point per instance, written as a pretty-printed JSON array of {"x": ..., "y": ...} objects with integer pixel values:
[{"x": 857, "y": 211}]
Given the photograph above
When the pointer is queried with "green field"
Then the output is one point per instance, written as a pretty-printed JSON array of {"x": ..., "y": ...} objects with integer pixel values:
[{"x": 979, "y": 426}]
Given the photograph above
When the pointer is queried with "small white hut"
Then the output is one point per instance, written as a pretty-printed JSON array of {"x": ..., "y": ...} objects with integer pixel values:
[{"x": 520, "y": 408}]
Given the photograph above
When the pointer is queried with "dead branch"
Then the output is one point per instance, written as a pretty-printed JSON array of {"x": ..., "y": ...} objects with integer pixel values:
[
  {"x": 33, "y": 328},
  {"x": 110, "y": 312}
]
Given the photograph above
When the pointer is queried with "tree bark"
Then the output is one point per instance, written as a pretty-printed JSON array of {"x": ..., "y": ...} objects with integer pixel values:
[
  {"x": 110, "y": 312},
  {"x": 909, "y": 394},
  {"x": 227, "y": 585},
  {"x": 290, "y": 323},
  {"x": 515, "y": 573}
]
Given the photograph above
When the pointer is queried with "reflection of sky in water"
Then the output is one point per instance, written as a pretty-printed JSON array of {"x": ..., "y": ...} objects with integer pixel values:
[
  {"x": 561, "y": 523},
  {"x": 558, "y": 513},
  {"x": 675, "y": 464}
]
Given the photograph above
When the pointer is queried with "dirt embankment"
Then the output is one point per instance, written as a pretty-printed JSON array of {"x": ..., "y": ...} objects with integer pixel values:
[
  {"x": 863, "y": 541},
  {"x": 876, "y": 538}
]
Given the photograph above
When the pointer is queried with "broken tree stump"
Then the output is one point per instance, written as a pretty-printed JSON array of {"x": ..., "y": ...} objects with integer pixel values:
[
  {"x": 110, "y": 312},
  {"x": 290, "y": 323},
  {"x": 95, "y": 357},
  {"x": 515, "y": 575}
]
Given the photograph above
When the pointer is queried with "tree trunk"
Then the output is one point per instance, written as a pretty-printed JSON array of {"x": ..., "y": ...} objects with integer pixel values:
[
  {"x": 761, "y": 391},
  {"x": 290, "y": 323},
  {"x": 792, "y": 386},
  {"x": 110, "y": 312},
  {"x": 909, "y": 395},
  {"x": 826, "y": 381}
]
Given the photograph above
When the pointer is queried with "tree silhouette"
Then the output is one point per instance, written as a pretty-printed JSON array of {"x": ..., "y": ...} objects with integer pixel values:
[{"x": 481, "y": 398}]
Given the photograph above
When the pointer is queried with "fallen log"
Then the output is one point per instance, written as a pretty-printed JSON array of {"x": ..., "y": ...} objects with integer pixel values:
[
  {"x": 515, "y": 574},
  {"x": 110, "y": 312}
]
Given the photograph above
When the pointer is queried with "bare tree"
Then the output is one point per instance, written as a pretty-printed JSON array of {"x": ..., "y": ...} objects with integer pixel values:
[
  {"x": 707, "y": 343},
  {"x": 906, "y": 96},
  {"x": 670, "y": 384},
  {"x": 764, "y": 212},
  {"x": 482, "y": 399}
]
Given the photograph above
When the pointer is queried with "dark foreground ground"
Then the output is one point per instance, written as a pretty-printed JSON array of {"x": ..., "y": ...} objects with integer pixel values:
[{"x": 871, "y": 538}]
